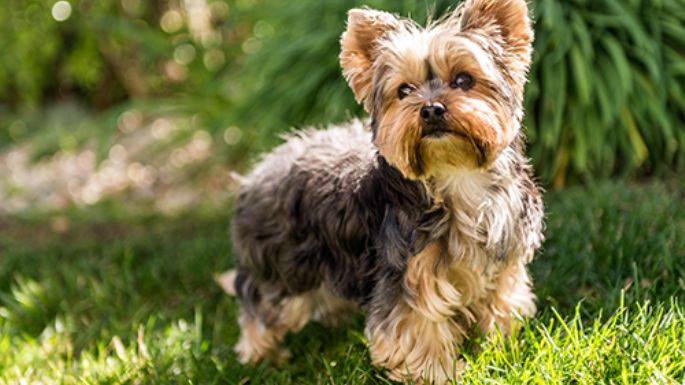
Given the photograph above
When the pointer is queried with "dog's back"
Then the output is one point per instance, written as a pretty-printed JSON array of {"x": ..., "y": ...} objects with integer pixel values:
[{"x": 292, "y": 204}]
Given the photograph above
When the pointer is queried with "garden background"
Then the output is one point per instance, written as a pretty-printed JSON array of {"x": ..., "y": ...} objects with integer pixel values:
[{"x": 122, "y": 121}]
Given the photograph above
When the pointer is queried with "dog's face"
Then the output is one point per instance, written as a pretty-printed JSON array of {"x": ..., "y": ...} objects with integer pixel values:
[{"x": 445, "y": 97}]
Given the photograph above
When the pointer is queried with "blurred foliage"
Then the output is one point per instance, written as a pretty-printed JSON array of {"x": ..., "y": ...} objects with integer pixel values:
[
  {"x": 607, "y": 91},
  {"x": 305, "y": 85},
  {"x": 109, "y": 52},
  {"x": 606, "y": 97}
]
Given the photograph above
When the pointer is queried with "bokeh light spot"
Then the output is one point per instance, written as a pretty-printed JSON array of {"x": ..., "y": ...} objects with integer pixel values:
[
  {"x": 130, "y": 121},
  {"x": 214, "y": 60},
  {"x": 219, "y": 9},
  {"x": 172, "y": 21},
  {"x": 251, "y": 45},
  {"x": 17, "y": 130},
  {"x": 184, "y": 54},
  {"x": 263, "y": 30},
  {"x": 61, "y": 10},
  {"x": 232, "y": 135}
]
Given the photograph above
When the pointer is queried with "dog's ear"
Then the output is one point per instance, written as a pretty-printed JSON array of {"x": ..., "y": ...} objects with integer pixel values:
[
  {"x": 505, "y": 19},
  {"x": 359, "y": 46}
]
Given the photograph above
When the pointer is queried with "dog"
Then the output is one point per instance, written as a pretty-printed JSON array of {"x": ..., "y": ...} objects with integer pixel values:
[{"x": 425, "y": 217}]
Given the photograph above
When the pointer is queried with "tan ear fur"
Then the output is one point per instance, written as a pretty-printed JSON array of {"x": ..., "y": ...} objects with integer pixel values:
[
  {"x": 359, "y": 46},
  {"x": 506, "y": 18}
]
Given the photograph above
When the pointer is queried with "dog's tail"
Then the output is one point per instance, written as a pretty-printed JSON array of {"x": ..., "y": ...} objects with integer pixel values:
[
  {"x": 239, "y": 179},
  {"x": 227, "y": 281}
]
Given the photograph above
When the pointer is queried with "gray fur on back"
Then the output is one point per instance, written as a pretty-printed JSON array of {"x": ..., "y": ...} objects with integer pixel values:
[
  {"x": 325, "y": 208},
  {"x": 308, "y": 213}
]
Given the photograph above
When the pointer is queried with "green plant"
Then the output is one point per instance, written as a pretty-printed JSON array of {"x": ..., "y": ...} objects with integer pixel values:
[
  {"x": 607, "y": 91},
  {"x": 105, "y": 52}
]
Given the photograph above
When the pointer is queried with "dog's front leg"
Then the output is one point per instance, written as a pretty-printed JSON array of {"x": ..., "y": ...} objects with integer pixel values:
[
  {"x": 418, "y": 336},
  {"x": 411, "y": 346}
]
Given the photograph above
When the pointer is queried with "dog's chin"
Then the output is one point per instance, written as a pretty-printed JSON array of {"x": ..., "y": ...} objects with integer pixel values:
[{"x": 444, "y": 152}]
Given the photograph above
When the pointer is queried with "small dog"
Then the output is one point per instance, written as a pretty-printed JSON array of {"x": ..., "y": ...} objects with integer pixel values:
[{"x": 426, "y": 222}]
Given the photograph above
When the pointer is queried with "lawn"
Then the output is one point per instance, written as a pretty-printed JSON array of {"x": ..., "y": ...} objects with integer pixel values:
[{"x": 106, "y": 297}]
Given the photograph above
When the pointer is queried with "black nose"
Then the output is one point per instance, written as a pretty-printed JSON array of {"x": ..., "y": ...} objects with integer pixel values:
[{"x": 433, "y": 113}]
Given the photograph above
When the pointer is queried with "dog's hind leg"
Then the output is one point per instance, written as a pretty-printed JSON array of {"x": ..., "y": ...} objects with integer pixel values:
[
  {"x": 332, "y": 310},
  {"x": 266, "y": 316}
]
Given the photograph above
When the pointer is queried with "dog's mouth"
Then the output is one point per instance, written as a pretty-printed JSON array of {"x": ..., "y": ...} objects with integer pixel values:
[
  {"x": 435, "y": 131},
  {"x": 439, "y": 131}
]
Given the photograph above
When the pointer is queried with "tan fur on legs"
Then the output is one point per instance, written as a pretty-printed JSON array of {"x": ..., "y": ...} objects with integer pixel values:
[
  {"x": 332, "y": 310},
  {"x": 442, "y": 304},
  {"x": 259, "y": 340},
  {"x": 430, "y": 292},
  {"x": 256, "y": 341},
  {"x": 511, "y": 301},
  {"x": 413, "y": 347},
  {"x": 420, "y": 337}
]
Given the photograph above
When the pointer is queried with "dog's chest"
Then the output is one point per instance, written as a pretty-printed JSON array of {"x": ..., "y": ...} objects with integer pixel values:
[
  {"x": 461, "y": 268},
  {"x": 482, "y": 234}
]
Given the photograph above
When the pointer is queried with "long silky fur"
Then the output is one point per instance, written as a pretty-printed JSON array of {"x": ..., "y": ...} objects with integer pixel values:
[
  {"x": 324, "y": 210},
  {"x": 430, "y": 237}
]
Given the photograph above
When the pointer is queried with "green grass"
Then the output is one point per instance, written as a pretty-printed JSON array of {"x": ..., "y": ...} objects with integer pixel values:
[{"x": 120, "y": 299}]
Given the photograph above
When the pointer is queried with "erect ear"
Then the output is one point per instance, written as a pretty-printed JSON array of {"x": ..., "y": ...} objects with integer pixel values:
[
  {"x": 507, "y": 19},
  {"x": 359, "y": 46}
]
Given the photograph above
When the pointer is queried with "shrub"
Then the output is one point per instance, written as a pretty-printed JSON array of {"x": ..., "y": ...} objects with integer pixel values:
[{"x": 607, "y": 89}]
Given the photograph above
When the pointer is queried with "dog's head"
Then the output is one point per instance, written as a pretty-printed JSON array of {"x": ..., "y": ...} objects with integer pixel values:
[{"x": 445, "y": 96}]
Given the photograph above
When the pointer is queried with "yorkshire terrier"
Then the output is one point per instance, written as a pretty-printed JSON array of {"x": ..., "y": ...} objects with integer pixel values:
[{"x": 426, "y": 221}]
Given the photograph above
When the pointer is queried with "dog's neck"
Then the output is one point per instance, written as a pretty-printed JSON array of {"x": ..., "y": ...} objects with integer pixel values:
[
  {"x": 483, "y": 204},
  {"x": 473, "y": 187}
]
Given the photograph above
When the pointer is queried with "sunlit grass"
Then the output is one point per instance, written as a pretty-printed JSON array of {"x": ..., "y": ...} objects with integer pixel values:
[{"x": 110, "y": 298}]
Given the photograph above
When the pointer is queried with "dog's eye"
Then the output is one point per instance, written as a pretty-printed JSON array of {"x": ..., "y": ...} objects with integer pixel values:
[
  {"x": 404, "y": 90},
  {"x": 463, "y": 81}
]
